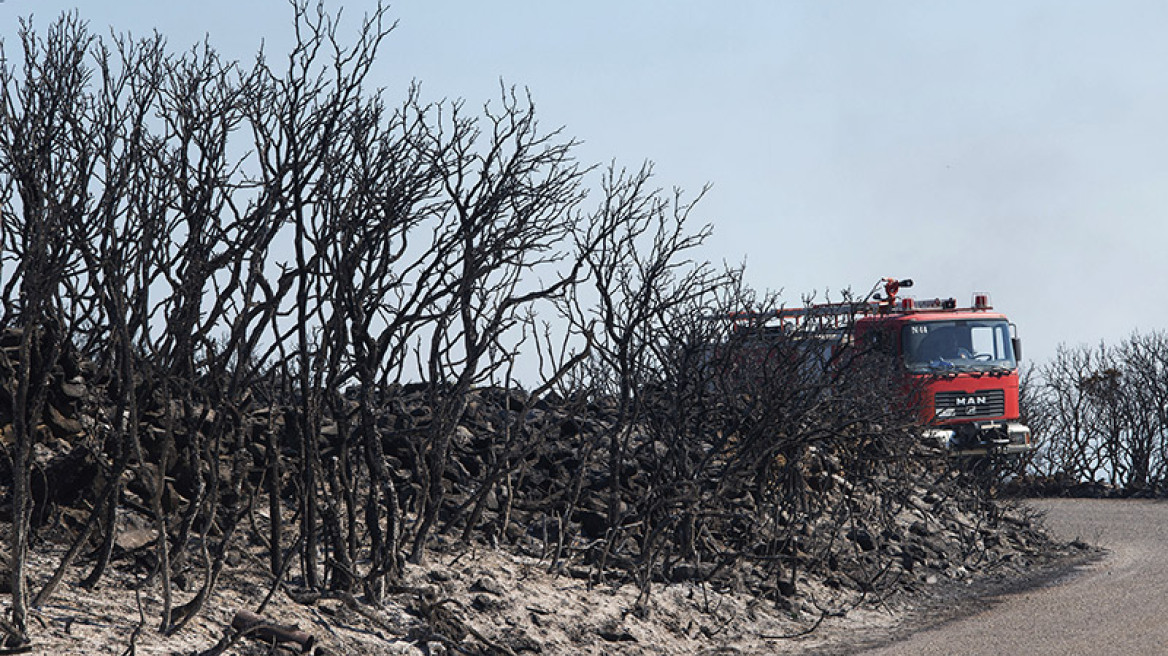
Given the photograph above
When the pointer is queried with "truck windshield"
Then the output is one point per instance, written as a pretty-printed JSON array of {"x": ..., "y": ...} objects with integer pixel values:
[{"x": 962, "y": 344}]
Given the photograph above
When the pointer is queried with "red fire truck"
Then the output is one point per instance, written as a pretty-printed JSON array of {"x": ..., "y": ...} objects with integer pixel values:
[{"x": 960, "y": 363}]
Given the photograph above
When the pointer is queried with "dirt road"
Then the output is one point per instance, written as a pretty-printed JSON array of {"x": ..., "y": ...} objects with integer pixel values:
[{"x": 1116, "y": 605}]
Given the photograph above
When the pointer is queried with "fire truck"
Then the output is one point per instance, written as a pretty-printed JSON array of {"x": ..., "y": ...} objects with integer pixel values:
[{"x": 960, "y": 364}]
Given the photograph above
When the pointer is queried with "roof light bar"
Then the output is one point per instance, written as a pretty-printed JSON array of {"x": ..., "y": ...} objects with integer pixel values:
[{"x": 937, "y": 304}]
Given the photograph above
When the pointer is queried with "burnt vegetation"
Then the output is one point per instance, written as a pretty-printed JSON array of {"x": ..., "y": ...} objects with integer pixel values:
[
  {"x": 264, "y": 307},
  {"x": 1103, "y": 414}
]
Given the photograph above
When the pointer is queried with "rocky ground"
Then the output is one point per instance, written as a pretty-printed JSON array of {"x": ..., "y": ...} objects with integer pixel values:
[{"x": 501, "y": 601}]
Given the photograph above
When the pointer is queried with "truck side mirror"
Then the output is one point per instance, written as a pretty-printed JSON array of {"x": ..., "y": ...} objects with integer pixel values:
[{"x": 1017, "y": 342}]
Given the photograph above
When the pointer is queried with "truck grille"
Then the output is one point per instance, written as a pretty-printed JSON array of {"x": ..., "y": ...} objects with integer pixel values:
[{"x": 982, "y": 403}]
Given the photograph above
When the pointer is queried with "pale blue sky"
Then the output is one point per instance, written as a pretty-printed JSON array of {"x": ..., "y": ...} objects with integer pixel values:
[{"x": 1017, "y": 147}]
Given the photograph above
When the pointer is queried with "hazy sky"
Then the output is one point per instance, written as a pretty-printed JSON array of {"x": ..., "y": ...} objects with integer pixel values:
[{"x": 1016, "y": 147}]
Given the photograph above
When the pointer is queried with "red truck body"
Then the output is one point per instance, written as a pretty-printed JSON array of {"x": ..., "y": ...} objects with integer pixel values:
[{"x": 960, "y": 364}]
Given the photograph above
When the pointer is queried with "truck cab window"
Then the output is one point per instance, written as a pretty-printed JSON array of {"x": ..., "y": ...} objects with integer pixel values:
[{"x": 958, "y": 344}]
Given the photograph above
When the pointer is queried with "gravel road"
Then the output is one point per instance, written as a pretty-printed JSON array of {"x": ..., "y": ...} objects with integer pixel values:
[{"x": 1116, "y": 605}]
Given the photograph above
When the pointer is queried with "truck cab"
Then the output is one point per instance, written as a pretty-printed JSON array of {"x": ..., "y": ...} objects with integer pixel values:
[{"x": 961, "y": 370}]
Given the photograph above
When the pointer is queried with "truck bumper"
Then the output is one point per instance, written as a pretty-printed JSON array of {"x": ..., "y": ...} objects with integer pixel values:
[{"x": 983, "y": 438}]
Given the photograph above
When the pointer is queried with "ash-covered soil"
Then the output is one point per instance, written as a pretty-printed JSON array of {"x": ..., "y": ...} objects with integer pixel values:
[{"x": 501, "y": 601}]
